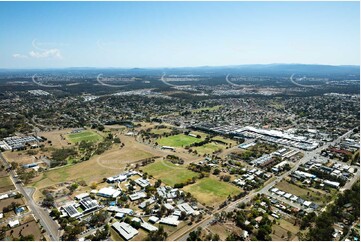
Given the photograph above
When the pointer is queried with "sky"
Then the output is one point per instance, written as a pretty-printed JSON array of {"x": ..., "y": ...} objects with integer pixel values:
[{"x": 177, "y": 34}]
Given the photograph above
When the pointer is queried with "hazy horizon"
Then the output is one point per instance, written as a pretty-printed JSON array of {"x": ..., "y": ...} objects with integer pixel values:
[{"x": 50, "y": 35}]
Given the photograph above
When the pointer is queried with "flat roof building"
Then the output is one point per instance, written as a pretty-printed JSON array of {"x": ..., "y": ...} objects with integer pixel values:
[
  {"x": 108, "y": 192},
  {"x": 148, "y": 227},
  {"x": 125, "y": 230},
  {"x": 170, "y": 220}
]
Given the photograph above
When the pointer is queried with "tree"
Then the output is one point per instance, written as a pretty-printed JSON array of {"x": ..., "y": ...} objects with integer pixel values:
[{"x": 216, "y": 171}]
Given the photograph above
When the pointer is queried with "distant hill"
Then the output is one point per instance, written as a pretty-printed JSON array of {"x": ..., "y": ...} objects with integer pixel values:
[{"x": 256, "y": 69}]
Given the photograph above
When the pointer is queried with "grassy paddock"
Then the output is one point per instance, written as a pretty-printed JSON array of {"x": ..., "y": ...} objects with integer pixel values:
[
  {"x": 161, "y": 131},
  {"x": 169, "y": 173},
  {"x": 211, "y": 191},
  {"x": 6, "y": 184},
  {"x": 304, "y": 193}
]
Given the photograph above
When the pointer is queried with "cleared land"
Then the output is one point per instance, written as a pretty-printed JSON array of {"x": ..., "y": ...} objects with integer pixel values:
[
  {"x": 86, "y": 135},
  {"x": 211, "y": 191},
  {"x": 6, "y": 202},
  {"x": 6, "y": 184},
  {"x": 178, "y": 140},
  {"x": 56, "y": 137},
  {"x": 110, "y": 163},
  {"x": 20, "y": 157},
  {"x": 169, "y": 173},
  {"x": 29, "y": 228},
  {"x": 161, "y": 131}
]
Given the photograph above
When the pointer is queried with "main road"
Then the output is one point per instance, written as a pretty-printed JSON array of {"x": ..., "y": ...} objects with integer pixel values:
[
  {"x": 50, "y": 226},
  {"x": 182, "y": 235}
]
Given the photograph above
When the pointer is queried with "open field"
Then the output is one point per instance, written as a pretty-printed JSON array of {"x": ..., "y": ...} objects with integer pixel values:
[
  {"x": 208, "y": 148},
  {"x": 225, "y": 140},
  {"x": 6, "y": 202},
  {"x": 25, "y": 229},
  {"x": 223, "y": 230},
  {"x": 6, "y": 184},
  {"x": 110, "y": 163},
  {"x": 87, "y": 135},
  {"x": 178, "y": 140},
  {"x": 281, "y": 229},
  {"x": 55, "y": 137},
  {"x": 211, "y": 191},
  {"x": 169, "y": 173},
  {"x": 319, "y": 197},
  {"x": 161, "y": 131},
  {"x": 20, "y": 157}
]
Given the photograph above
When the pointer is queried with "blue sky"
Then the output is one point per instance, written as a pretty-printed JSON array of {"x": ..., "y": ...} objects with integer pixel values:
[{"x": 170, "y": 34}]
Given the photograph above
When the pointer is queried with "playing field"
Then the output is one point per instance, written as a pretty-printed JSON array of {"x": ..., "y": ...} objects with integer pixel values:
[
  {"x": 169, "y": 173},
  {"x": 178, "y": 140},
  {"x": 211, "y": 191},
  {"x": 208, "y": 148},
  {"x": 86, "y": 135}
]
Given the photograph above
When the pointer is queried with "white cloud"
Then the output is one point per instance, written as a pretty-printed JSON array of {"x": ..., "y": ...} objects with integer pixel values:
[
  {"x": 51, "y": 53},
  {"x": 20, "y": 56}
]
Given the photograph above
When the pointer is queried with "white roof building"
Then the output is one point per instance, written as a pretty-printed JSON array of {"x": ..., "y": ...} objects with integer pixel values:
[
  {"x": 288, "y": 195},
  {"x": 274, "y": 190},
  {"x": 168, "y": 206},
  {"x": 332, "y": 184},
  {"x": 119, "y": 215},
  {"x": 142, "y": 182},
  {"x": 125, "y": 230},
  {"x": 307, "y": 203},
  {"x": 148, "y": 227},
  {"x": 108, "y": 192},
  {"x": 14, "y": 223},
  {"x": 170, "y": 220},
  {"x": 153, "y": 219},
  {"x": 185, "y": 207},
  {"x": 115, "y": 209},
  {"x": 137, "y": 195},
  {"x": 81, "y": 196}
]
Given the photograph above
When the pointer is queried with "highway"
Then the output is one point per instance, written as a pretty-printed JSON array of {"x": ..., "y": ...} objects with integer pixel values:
[
  {"x": 308, "y": 155},
  {"x": 50, "y": 226}
]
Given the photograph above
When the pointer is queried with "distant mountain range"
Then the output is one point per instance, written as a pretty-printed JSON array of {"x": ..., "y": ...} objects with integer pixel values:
[{"x": 262, "y": 69}]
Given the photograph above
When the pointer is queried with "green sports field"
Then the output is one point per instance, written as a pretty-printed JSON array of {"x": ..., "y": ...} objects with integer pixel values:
[
  {"x": 86, "y": 135},
  {"x": 209, "y": 148},
  {"x": 169, "y": 173},
  {"x": 210, "y": 190},
  {"x": 178, "y": 140}
]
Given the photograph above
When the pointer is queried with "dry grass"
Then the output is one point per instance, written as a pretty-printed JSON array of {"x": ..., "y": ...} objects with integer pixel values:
[
  {"x": 211, "y": 191},
  {"x": 6, "y": 184},
  {"x": 29, "y": 228},
  {"x": 110, "y": 163}
]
